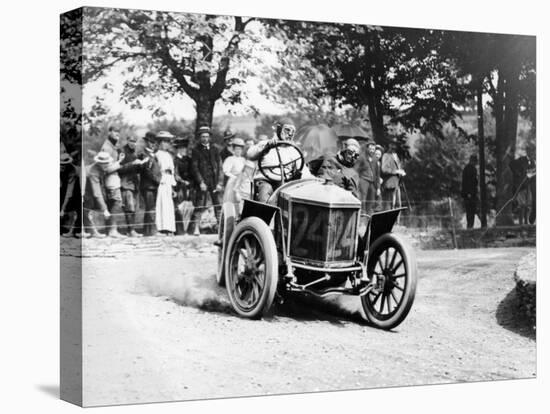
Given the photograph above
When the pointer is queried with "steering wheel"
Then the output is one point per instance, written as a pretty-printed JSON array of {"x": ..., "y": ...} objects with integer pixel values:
[{"x": 283, "y": 169}]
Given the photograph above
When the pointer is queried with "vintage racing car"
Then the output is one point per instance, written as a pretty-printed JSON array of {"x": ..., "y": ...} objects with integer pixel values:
[{"x": 309, "y": 237}]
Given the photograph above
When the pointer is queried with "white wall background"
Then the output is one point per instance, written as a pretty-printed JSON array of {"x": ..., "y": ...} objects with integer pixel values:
[{"x": 29, "y": 264}]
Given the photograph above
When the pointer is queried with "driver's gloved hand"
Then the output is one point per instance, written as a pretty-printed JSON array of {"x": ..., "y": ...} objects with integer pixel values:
[{"x": 271, "y": 143}]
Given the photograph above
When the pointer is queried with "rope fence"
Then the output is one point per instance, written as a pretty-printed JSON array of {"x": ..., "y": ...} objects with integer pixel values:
[{"x": 423, "y": 214}]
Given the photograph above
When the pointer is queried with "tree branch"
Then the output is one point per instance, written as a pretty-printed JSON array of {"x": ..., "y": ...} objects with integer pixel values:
[
  {"x": 232, "y": 45},
  {"x": 98, "y": 70}
]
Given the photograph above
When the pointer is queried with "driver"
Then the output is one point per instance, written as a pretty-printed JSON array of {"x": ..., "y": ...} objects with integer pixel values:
[{"x": 266, "y": 184}]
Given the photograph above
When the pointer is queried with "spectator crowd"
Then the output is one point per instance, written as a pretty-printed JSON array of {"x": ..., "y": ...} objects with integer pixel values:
[{"x": 175, "y": 185}]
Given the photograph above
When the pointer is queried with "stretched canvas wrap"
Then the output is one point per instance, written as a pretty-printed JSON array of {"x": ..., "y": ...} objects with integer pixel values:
[{"x": 254, "y": 206}]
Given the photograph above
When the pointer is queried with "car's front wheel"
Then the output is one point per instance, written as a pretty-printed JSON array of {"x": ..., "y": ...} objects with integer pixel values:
[
  {"x": 392, "y": 263},
  {"x": 251, "y": 268}
]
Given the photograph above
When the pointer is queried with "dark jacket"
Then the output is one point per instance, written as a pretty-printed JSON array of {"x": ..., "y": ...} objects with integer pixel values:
[
  {"x": 206, "y": 166},
  {"x": 70, "y": 188},
  {"x": 150, "y": 173},
  {"x": 469, "y": 182},
  {"x": 129, "y": 174},
  {"x": 224, "y": 153},
  {"x": 368, "y": 170},
  {"x": 184, "y": 176},
  {"x": 519, "y": 168}
]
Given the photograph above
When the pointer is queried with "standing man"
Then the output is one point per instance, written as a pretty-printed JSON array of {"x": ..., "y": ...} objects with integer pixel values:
[
  {"x": 149, "y": 183},
  {"x": 227, "y": 149},
  {"x": 70, "y": 194},
  {"x": 520, "y": 168},
  {"x": 392, "y": 173},
  {"x": 112, "y": 182},
  {"x": 182, "y": 165},
  {"x": 469, "y": 190},
  {"x": 129, "y": 184},
  {"x": 207, "y": 174},
  {"x": 369, "y": 178}
]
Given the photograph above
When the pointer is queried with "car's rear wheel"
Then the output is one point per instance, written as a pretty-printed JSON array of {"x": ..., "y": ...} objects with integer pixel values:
[
  {"x": 393, "y": 262},
  {"x": 225, "y": 229},
  {"x": 251, "y": 268}
]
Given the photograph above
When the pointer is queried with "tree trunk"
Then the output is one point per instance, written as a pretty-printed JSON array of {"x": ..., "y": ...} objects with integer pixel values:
[
  {"x": 375, "y": 116},
  {"x": 204, "y": 108},
  {"x": 506, "y": 143},
  {"x": 481, "y": 144}
]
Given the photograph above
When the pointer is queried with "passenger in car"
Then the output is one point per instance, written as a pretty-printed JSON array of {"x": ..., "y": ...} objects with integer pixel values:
[{"x": 328, "y": 167}]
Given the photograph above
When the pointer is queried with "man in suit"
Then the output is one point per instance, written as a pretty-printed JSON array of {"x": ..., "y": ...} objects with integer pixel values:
[
  {"x": 369, "y": 177},
  {"x": 183, "y": 175},
  {"x": 392, "y": 173},
  {"x": 130, "y": 166},
  {"x": 469, "y": 190},
  {"x": 149, "y": 182},
  {"x": 207, "y": 176}
]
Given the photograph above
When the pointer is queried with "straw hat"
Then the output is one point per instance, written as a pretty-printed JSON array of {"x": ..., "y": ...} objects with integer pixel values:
[
  {"x": 238, "y": 142},
  {"x": 103, "y": 158},
  {"x": 203, "y": 129},
  {"x": 164, "y": 136}
]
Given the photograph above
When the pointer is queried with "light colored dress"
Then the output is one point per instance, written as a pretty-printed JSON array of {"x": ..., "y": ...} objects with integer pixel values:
[{"x": 165, "y": 216}]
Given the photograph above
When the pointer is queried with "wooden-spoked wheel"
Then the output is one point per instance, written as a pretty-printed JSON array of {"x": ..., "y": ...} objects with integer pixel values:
[
  {"x": 251, "y": 268},
  {"x": 225, "y": 229},
  {"x": 392, "y": 263}
]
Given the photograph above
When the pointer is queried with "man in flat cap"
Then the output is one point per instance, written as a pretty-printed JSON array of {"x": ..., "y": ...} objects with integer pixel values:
[
  {"x": 112, "y": 182},
  {"x": 369, "y": 177},
  {"x": 149, "y": 182},
  {"x": 130, "y": 167},
  {"x": 94, "y": 199},
  {"x": 207, "y": 174}
]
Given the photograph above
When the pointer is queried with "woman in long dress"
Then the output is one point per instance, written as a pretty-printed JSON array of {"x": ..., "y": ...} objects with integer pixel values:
[{"x": 165, "y": 216}]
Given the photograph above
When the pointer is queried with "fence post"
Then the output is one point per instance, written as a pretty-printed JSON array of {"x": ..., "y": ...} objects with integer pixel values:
[{"x": 452, "y": 223}]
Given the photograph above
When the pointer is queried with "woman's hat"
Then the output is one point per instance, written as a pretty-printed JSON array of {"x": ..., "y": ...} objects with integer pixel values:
[
  {"x": 103, "y": 158},
  {"x": 379, "y": 147},
  {"x": 238, "y": 142},
  {"x": 164, "y": 136},
  {"x": 65, "y": 159}
]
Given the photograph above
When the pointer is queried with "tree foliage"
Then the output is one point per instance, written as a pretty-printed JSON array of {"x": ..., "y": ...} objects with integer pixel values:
[
  {"x": 395, "y": 74},
  {"x": 162, "y": 54}
]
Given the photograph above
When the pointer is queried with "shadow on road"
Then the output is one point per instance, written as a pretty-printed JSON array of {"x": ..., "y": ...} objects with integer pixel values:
[
  {"x": 510, "y": 317},
  {"x": 308, "y": 308}
]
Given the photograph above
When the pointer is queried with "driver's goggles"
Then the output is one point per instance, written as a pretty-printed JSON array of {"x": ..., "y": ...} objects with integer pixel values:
[{"x": 288, "y": 131}]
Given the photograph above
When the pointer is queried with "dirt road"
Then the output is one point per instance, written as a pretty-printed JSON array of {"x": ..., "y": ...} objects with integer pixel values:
[{"x": 158, "y": 328}]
